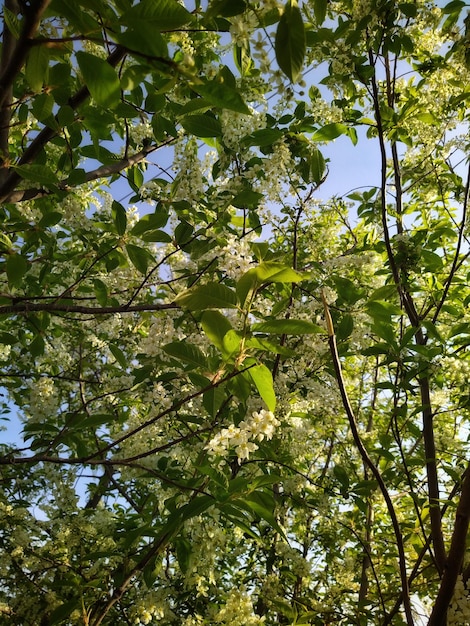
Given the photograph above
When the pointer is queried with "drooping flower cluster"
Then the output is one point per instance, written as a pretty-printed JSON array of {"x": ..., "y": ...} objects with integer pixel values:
[{"x": 261, "y": 425}]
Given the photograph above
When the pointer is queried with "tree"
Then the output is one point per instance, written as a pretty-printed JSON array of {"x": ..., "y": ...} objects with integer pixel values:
[{"x": 240, "y": 402}]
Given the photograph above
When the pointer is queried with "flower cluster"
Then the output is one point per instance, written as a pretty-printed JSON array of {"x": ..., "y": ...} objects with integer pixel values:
[
  {"x": 43, "y": 399},
  {"x": 235, "y": 125},
  {"x": 459, "y": 610},
  {"x": 242, "y": 27},
  {"x": 151, "y": 608},
  {"x": 238, "y": 611},
  {"x": 261, "y": 425}
]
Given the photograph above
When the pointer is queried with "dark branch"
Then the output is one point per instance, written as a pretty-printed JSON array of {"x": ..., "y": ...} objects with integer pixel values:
[
  {"x": 56, "y": 308},
  {"x": 101, "y": 172},
  {"x": 17, "y": 59},
  {"x": 370, "y": 464},
  {"x": 454, "y": 561},
  {"x": 47, "y": 133}
]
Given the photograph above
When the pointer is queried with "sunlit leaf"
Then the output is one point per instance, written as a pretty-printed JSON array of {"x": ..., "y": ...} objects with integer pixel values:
[
  {"x": 329, "y": 132},
  {"x": 209, "y": 296},
  {"x": 100, "y": 78},
  {"x": 263, "y": 380},
  {"x": 216, "y": 326}
]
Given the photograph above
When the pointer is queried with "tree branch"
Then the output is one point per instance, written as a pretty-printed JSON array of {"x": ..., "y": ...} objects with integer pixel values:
[
  {"x": 56, "y": 308},
  {"x": 8, "y": 47},
  {"x": 47, "y": 133},
  {"x": 454, "y": 561},
  {"x": 455, "y": 261},
  {"x": 369, "y": 463},
  {"x": 17, "y": 59},
  {"x": 103, "y": 171},
  {"x": 409, "y": 307}
]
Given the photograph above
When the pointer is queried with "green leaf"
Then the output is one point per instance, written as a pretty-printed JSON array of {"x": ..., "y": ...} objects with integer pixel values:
[
  {"x": 243, "y": 59},
  {"x": 16, "y": 266},
  {"x": 239, "y": 519},
  {"x": 261, "y": 343},
  {"x": 183, "y": 232},
  {"x": 196, "y": 507},
  {"x": 317, "y": 166},
  {"x": 263, "y": 137},
  {"x": 118, "y": 213},
  {"x": 225, "y": 8},
  {"x": 135, "y": 178},
  {"x": 162, "y": 15},
  {"x": 261, "y": 504},
  {"x": 223, "y": 96},
  {"x": 196, "y": 105},
  {"x": 290, "y": 41},
  {"x": 38, "y": 174},
  {"x": 36, "y": 347},
  {"x": 202, "y": 125},
  {"x": 213, "y": 399},
  {"x": 119, "y": 355},
  {"x": 100, "y": 153},
  {"x": 142, "y": 36},
  {"x": 345, "y": 327},
  {"x": 263, "y": 380},
  {"x": 287, "y": 327},
  {"x": 37, "y": 67},
  {"x": 382, "y": 311},
  {"x": 150, "y": 572},
  {"x": 216, "y": 326},
  {"x": 50, "y": 219},
  {"x": 5, "y": 243},
  {"x": 276, "y": 273},
  {"x": 454, "y": 6},
  {"x": 183, "y": 553},
  {"x": 149, "y": 222},
  {"x": 101, "y": 291},
  {"x": 330, "y": 132},
  {"x": 12, "y": 22},
  {"x": 247, "y": 199},
  {"x": 209, "y": 296},
  {"x": 319, "y": 9},
  {"x": 63, "y": 612},
  {"x": 186, "y": 352},
  {"x": 100, "y": 78},
  {"x": 156, "y": 235},
  {"x": 8, "y": 338},
  {"x": 342, "y": 475},
  {"x": 139, "y": 257},
  {"x": 246, "y": 286},
  {"x": 231, "y": 343},
  {"x": 265, "y": 272},
  {"x": 78, "y": 18},
  {"x": 42, "y": 108}
]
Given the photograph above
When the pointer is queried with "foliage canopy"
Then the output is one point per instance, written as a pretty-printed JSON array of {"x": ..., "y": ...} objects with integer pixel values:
[{"x": 239, "y": 402}]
